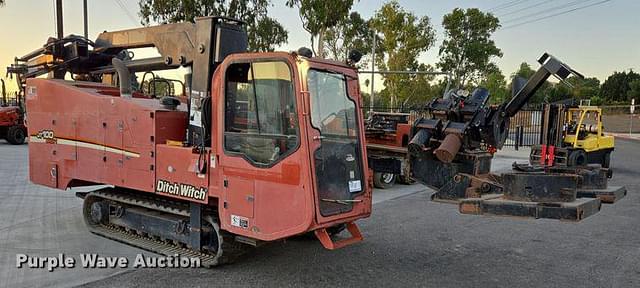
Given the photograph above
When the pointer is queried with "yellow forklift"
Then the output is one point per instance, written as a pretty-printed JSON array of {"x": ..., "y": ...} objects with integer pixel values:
[{"x": 572, "y": 136}]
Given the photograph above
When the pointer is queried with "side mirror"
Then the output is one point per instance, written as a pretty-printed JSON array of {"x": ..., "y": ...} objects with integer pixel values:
[
  {"x": 354, "y": 57},
  {"x": 305, "y": 52}
]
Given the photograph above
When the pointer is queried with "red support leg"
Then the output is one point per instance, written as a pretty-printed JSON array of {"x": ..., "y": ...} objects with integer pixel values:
[{"x": 543, "y": 154}]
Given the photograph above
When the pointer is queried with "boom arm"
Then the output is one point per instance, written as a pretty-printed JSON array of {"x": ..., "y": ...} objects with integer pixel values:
[
  {"x": 550, "y": 66},
  {"x": 496, "y": 127}
]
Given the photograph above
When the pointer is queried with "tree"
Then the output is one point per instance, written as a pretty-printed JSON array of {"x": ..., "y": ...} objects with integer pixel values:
[
  {"x": 264, "y": 33},
  {"x": 557, "y": 92},
  {"x": 634, "y": 90},
  {"x": 616, "y": 87},
  {"x": 414, "y": 91},
  {"x": 320, "y": 15},
  {"x": 497, "y": 85},
  {"x": 351, "y": 33},
  {"x": 584, "y": 88},
  {"x": 403, "y": 37},
  {"x": 467, "y": 49},
  {"x": 267, "y": 35}
]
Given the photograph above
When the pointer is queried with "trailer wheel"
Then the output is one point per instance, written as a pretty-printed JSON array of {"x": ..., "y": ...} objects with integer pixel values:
[
  {"x": 384, "y": 180},
  {"x": 15, "y": 135},
  {"x": 577, "y": 158}
]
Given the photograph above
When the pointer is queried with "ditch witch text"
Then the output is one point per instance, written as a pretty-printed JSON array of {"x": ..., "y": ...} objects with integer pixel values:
[{"x": 181, "y": 189}]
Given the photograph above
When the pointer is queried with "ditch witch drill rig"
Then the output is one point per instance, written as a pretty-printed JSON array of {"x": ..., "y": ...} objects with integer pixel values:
[{"x": 267, "y": 145}]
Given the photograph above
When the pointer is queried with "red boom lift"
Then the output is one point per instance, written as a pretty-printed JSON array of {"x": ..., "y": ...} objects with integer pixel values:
[{"x": 11, "y": 119}]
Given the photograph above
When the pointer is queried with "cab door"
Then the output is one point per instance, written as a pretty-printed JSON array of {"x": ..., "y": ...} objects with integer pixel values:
[
  {"x": 262, "y": 154},
  {"x": 335, "y": 144}
]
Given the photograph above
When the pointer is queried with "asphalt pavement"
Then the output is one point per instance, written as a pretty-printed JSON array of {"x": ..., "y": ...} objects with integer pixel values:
[
  {"x": 42, "y": 222},
  {"x": 409, "y": 241}
]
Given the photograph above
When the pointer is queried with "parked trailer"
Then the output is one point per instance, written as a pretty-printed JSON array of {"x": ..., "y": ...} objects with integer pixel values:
[{"x": 387, "y": 136}]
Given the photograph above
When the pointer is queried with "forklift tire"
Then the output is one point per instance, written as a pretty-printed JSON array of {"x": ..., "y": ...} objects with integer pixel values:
[
  {"x": 577, "y": 158},
  {"x": 606, "y": 160},
  {"x": 15, "y": 135},
  {"x": 384, "y": 180},
  {"x": 606, "y": 163}
]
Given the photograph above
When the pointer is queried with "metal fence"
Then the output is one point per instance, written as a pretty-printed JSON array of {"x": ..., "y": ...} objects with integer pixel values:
[
  {"x": 524, "y": 128},
  {"x": 11, "y": 99}
]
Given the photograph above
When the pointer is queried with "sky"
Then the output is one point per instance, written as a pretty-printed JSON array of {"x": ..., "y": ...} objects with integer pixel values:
[{"x": 595, "y": 41}]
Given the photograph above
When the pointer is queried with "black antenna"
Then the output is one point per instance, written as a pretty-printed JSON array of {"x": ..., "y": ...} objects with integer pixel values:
[
  {"x": 86, "y": 21},
  {"x": 59, "y": 22}
]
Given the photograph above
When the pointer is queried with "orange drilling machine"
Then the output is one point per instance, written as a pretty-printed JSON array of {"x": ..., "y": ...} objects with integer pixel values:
[{"x": 267, "y": 145}]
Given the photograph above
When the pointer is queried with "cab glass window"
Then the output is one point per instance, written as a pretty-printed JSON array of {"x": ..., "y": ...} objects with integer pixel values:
[{"x": 261, "y": 122}]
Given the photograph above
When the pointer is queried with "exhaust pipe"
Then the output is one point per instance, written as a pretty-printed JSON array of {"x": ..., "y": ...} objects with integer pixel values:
[
  {"x": 124, "y": 77},
  {"x": 418, "y": 143},
  {"x": 448, "y": 148},
  {"x": 4, "y": 94}
]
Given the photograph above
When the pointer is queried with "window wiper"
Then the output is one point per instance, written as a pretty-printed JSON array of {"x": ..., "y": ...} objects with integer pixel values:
[{"x": 342, "y": 201}]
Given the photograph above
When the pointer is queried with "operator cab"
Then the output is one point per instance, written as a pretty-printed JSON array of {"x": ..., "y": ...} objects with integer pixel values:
[{"x": 290, "y": 137}]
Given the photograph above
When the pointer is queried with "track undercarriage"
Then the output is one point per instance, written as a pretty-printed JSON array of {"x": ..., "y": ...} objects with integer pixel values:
[{"x": 160, "y": 226}]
